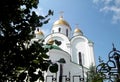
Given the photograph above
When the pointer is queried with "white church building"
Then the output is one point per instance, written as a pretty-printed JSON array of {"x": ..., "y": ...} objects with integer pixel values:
[{"x": 75, "y": 49}]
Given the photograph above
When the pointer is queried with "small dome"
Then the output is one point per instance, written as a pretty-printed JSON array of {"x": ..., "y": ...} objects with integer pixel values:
[
  {"x": 50, "y": 41},
  {"x": 77, "y": 30},
  {"x": 39, "y": 32},
  {"x": 61, "y": 21}
]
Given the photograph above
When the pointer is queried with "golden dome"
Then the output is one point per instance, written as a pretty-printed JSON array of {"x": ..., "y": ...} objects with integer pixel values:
[
  {"x": 61, "y": 21},
  {"x": 39, "y": 32},
  {"x": 77, "y": 30},
  {"x": 50, "y": 41}
]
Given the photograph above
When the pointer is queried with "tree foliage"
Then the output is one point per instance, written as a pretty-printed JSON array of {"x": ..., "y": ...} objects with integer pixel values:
[
  {"x": 93, "y": 76},
  {"x": 19, "y": 59}
]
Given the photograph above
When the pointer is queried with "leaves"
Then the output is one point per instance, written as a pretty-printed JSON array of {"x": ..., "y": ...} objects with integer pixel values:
[
  {"x": 53, "y": 68},
  {"x": 50, "y": 12},
  {"x": 93, "y": 76},
  {"x": 18, "y": 56},
  {"x": 22, "y": 76}
]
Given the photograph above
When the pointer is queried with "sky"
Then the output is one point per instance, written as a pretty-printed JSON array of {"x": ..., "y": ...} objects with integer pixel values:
[{"x": 99, "y": 20}]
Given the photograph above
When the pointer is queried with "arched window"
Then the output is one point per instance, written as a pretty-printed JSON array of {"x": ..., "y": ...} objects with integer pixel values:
[
  {"x": 61, "y": 73},
  {"x": 52, "y": 31},
  {"x": 59, "y": 29},
  {"x": 80, "y": 58},
  {"x": 66, "y": 32}
]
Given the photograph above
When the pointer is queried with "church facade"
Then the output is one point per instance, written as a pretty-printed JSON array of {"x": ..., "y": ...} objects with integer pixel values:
[{"x": 75, "y": 49}]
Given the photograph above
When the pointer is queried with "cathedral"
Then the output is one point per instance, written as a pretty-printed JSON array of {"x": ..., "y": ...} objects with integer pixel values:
[{"x": 75, "y": 49}]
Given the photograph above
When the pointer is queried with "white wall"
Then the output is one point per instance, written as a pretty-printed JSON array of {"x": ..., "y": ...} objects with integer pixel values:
[
  {"x": 70, "y": 69},
  {"x": 81, "y": 44},
  {"x": 60, "y": 37}
]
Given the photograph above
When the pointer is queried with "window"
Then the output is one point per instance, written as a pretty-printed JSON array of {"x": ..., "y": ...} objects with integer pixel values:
[
  {"x": 59, "y": 29},
  {"x": 61, "y": 73},
  {"x": 80, "y": 58},
  {"x": 52, "y": 31},
  {"x": 66, "y": 32}
]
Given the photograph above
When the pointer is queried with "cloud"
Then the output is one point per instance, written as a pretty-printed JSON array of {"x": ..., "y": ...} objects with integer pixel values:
[
  {"x": 110, "y": 6},
  {"x": 102, "y": 1},
  {"x": 95, "y": 1}
]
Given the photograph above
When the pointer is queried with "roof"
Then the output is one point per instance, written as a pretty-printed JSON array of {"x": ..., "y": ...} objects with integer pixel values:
[
  {"x": 52, "y": 47},
  {"x": 61, "y": 21}
]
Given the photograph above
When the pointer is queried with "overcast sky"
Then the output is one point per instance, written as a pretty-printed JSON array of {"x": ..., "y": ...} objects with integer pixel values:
[{"x": 99, "y": 20}]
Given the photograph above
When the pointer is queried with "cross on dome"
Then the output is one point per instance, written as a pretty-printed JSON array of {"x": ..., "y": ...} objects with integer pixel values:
[
  {"x": 61, "y": 21},
  {"x": 61, "y": 14},
  {"x": 77, "y": 25}
]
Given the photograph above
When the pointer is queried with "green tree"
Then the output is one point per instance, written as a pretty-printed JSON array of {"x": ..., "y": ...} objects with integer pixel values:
[
  {"x": 93, "y": 76},
  {"x": 19, "y": 59}
]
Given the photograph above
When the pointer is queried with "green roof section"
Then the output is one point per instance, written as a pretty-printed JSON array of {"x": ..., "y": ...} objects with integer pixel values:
[{"x": 52, "y": 47}]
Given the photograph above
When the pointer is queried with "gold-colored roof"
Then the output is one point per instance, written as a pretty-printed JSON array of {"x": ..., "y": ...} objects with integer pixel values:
[
  {"x": 61, "y": 21},
  {"x": 50, "y": 41},
  {"x": 77, "y": 30},
  {"x": 39, "y": 32}
]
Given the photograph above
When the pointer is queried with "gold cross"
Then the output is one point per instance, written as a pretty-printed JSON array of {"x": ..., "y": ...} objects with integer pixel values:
[
  {"x": 77, "y": 25},
  {"x": 61, "y": 14}
]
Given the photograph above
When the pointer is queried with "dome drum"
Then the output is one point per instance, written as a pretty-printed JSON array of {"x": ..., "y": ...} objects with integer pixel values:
[{"x": 61, "y": 26}]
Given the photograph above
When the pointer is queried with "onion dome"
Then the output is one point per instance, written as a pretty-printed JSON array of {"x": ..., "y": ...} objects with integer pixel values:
[
  {"x": 61, "y": 26},
  {"x": 61, "y": 21},
  {"x": 77, "y": 31},
  {"x": 39, "y": 34},
  {"x": 50, "y": 41}
]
